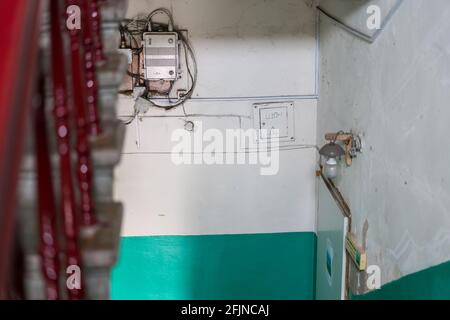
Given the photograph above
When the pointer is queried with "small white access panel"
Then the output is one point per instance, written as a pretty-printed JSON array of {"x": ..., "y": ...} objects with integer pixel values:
[{"x": 276, "y": 115}]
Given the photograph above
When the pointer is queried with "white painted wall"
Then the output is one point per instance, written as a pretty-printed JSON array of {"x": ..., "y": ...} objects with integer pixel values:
[
  {"x": 395, "y": 91},
  {"x": 248, "y": 51},
  {"x": 268, "y": 46}
]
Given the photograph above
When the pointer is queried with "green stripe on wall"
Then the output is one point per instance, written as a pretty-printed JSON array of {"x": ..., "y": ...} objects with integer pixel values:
[
  {"x": 254, "y": 266},
  {"x": 429, "y": 284}
]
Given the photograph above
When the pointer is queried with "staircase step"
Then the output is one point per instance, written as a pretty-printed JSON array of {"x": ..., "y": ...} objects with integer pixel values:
[
  {"x": 107, "y": 148},
  {"x": 99, "y": 250},
  {"x": 97, "y": 283},
  {"x": 111, "y": 73},
  {"x": 114, "y": 10},
  {"x": 100, "y": 244},
  {"x": 34, "y": 284}
]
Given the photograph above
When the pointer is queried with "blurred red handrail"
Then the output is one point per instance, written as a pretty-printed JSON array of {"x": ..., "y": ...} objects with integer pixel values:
[
  {"x": 20, "y": 25},
  {"x": 61, "y": 113}
]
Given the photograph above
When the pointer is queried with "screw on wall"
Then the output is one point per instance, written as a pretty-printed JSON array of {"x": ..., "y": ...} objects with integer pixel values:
[{"x": 189, "y": 126}]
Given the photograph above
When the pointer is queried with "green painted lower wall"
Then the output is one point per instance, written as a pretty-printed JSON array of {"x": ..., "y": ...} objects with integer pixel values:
[
  {"x": 254, "y": 266},
  {"x": 429, "y": 284}
]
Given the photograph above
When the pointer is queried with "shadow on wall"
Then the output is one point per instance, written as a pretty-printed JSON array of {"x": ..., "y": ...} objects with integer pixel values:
[
  {"x": 365, "y": 19},
  {"x": 236, "y": 19}
]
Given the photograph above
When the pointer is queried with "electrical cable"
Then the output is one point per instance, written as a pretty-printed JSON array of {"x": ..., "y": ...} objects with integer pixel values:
[
  {"x": 155, "y": 12},
  {"x": 192, "y": 76},
  {"x": 136, "y": 27}
]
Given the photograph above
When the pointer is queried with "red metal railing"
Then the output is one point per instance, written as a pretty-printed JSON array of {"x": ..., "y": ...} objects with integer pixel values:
[
  {"x": 96, "y": 28},
  {"x": 62, "y": 127},
  {"x": 84, "y": 168},
  {"x": 48, "y": 244},
  {"x": 90, "y": 53},
  {"x": 17, "y": 77},
  {"x": 18, "y": 80}
]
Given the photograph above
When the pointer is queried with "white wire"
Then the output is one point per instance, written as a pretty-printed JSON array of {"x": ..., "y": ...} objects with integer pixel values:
[{"x": 155, "y": 12}]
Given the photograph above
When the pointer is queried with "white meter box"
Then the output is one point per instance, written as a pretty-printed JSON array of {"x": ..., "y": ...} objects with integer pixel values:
[
  {"x": 161, "y": 55},
  {"x": 276, "y": 115}
]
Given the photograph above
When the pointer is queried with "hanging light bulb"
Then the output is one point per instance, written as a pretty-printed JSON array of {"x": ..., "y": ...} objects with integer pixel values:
[{"x": 331, "y": 152}]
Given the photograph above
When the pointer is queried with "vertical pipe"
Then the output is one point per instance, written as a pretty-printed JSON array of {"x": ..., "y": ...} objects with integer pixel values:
[
  {"x": 89, "y": 60},
  {"x": 61, "y": 112},
  {"x": 48, "y": 245},
  {"x": 84, "y": 166}
]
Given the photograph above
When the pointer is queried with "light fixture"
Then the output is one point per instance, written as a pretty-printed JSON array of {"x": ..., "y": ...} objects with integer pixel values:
[{"x": 332, "y": 151}]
